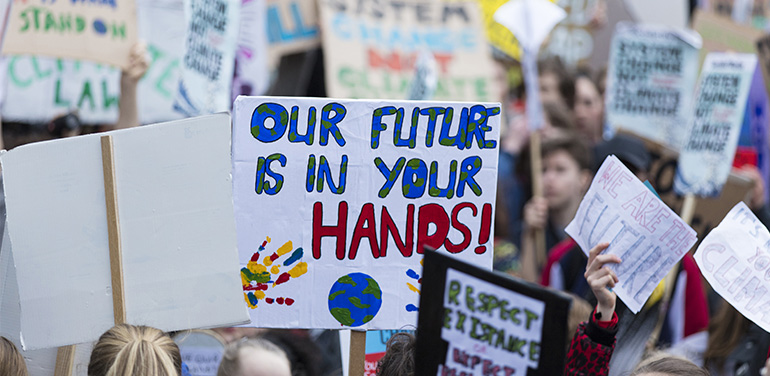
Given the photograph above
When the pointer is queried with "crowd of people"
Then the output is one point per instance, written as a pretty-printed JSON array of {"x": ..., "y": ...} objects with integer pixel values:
[{"x": 683, "y": 329}]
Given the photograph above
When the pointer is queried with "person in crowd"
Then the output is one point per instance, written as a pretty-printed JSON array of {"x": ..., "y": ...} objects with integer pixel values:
[
  {"x": 588, "y": 108},
  {"x": 566, "y": 176},
  {"x": 556, "y": 85},
  {"x": 399, "y": 356},
  {"x": 594, "y": 342},
  {"x": 11, "y": 361},
  {"x": 304, "y": 355},
  {"x": 254, "y": 357},
  {"x": 128, "y": 350}
]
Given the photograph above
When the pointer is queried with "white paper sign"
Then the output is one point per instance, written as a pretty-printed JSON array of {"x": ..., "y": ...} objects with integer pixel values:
[
  {"x": 735, "y": 257},
  {"x": 462, "y": 290},
  {"x": 707, "y": 155},
  {"x": 335, "y": 200},
  {"x": 176, "y": 225},
  {"x": 646, "y": 234},
  {"x": 650, "y": 81}
]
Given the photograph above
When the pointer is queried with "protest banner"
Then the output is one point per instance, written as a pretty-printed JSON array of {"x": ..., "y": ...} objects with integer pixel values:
[
  {"x": 209, "y": 58},
  {"x": 721, "y": 34},
  {"x": 649, "y": 12},
  {"x": 178, "y": 239},
  {"x": 376, "y": 344},
  {"x": 370, "y": 49},
  {"x": 650, "y": 81},
  {"x": 645, "y": 233},
  {"x": 476, "y": 322},
  {"x": 201, "y": 351},
  {"x": 734, "y": 259},
  {"x": 101, "y": 31},
  {"x": 316, "y": 252},
  {"x": 292, "y": 26},
  {"x": 707, "y": 155},
  {"x": 571, "y": 39},
  {"x": 251, "y": 71}
]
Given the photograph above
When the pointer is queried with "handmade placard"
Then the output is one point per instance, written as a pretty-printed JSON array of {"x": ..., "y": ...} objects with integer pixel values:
[
  {"x": 370, "y": 50},
  {"x": 177, "y": 236},
  {"x": 101, "y": 31},
  {"x": 650, "y": 81},
  {"x": 646, "y": 234},
  {"x": 707, "y": 155},
  {"x": 335, "y": 200},
  {"x": 476, "y": 322},
  {"x": 734, "y": 258},
  {"x": 292, "y": 26}
]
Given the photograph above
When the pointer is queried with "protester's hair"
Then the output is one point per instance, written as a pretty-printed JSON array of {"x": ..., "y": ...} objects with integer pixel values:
[
  {"x": 127, "y": 350},
  {"x": 303, "y": 354},
  {"x": 229, "y": 363},
  {"x": 601, "y": 80},
  {"x": 554, "y": 65},
  {"x": 579, "y": 311},
  {"x": 726, "y": 330},
  {"x": 574, "y": 146},
  {"x": 399, "y": 356},
  {"x": 669, "y": 365},
  {"x": 559, "y": 116},
  {"x": 11, "y": 361}
]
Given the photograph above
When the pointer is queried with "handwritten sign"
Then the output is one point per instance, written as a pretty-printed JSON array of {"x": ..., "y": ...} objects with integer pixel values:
[
  {"x": 178, "y": 239},
  {"x": 475, "y": 322},
  {"x": 371, "y": 51},
  {"x": 650, "y": 81},
  {"x": 102, "y": 31},
  {"x": 645, "y": 233},
  {"x": 369, "y": 184},
  {"x": 707, "y": 155},
  {"x": 208, "y": 63},
  {"x": 292, "y": 26},
  {"x": 571, "y": 39},
  {"x": 734, "y": 258}
]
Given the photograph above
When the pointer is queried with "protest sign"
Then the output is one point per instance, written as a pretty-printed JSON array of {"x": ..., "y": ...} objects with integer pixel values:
[
  {"x": 251, "y": 72},
  {"x": 650, "y": 81},
  {"x": 370, "y": 50},
  {"x": 734, "y": 259},
  {"x": 721, "y": 34},
  {"x": 475, "y": 322},
  {"x": 201, "y": 351},
  {"x": 645, "y": 233},
  {"x": 720, "y": 105},
  {"x": 649, "y": 12},
  {"x": 209, "y": 58},
  {"x": 178, "y": 239},
  {"x": 571, "y": 39},
  {"x": 376, "y": 344},
  {"x": 101, "y": 31},
  {"x": 317, "y": 252},
  {"x": 292, "y": 26}
]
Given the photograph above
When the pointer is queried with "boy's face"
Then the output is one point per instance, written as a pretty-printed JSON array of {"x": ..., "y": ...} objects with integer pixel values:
[{"x": 563, "y": 180}]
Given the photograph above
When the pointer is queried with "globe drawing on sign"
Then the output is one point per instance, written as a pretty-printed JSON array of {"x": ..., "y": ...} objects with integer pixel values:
[{"x": 355, "y": 299}]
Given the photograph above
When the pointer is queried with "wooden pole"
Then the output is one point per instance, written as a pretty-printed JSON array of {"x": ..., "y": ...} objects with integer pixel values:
[
  {"x": 65, "y": 359},
  {"x": 356, "y": 363},
  {"x": 687, "y": 212},
  {"x": 536, "y": 168},
  {"x": 113, "y": 231}
]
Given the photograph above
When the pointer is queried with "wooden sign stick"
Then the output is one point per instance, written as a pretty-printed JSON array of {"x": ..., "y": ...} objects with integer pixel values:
[
  {"x": 65, "y": 360},
  {"x": 536, "y": 168},
  {"x": 113, "y": 231},
  {"x": 356, "y": 363}
]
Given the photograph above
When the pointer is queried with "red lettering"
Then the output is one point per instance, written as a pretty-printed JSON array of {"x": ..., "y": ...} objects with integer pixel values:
[
  {"x": 366, "y": 218},
  {"x": 387, "y": 226},
  {"x": 431, "y": 213},
  {"x": 339, "y": 231},
  {"x": 457, "y": 248}
]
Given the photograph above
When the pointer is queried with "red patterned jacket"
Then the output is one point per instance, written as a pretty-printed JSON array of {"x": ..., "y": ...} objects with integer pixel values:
[{"x": 591, "y": 347}]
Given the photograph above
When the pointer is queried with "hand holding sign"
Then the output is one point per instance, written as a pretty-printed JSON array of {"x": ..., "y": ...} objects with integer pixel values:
[{"x": 602, "y": 279}]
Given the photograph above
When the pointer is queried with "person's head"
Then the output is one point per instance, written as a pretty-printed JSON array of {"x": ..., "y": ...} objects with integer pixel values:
[
  {"x": 11, "y": 361},
  {"x": 127, "y": 350},
  {"x": 629, "y": 150},
  {"x": 254, "y": 357},
  {"x": 668, "y": 366},
  {"x": 726, "y": 330},
  {"x": 399, "y": 356},
  {"x": 556, "y": 86},
  {"x": 566, "y": 171},
  {"x": 558, "y": 120},
  {"x": 588, "y": 108}
]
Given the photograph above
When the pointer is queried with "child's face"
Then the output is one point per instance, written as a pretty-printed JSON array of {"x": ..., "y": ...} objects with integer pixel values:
[
  {"x": 563, "y": 180},
  {"x": 588, "y": 109}
]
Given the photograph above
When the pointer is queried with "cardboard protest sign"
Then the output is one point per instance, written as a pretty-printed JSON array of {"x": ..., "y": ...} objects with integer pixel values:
[
  {"x": 571, "y": 39},
  {"x": 649, "y": 12},
  {"x": 475, "y": 322},
  {"x": 292, "y": 26},
  {"x": 208, "y": 63},
  {"x": 178, "y": 238},
  {"x": 650, "y": 81},
  {"x": 376, "y": 344},
  {"x": 720, "y": 105},
  {"x": 370, "y": 51},
  {"x": 101, "y": 31},
  {"x": 317, "y": 252},
  {"x": 734, "y": 259},
  {"x": 646, "y": 234}
]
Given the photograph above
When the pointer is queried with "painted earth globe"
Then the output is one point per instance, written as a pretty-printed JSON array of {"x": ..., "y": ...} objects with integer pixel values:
[{"x": 355, "y": 299}]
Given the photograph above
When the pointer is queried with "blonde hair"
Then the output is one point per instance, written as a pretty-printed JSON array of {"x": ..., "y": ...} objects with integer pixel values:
[
  {"x": 11, "y": 361},
  {"x": 127, "y": 350}
]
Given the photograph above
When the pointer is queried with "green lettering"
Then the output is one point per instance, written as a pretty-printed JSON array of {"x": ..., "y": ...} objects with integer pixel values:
[
  {"x": 447, "y": 318},
  {"x": 18, "y": 81},
  {"x": 38, "y": 72},
  {"x": 454, "y": 290},
  {"x": 50, "y": 22},
  {"x": 80, "y": 24},
  {"x": 460, "y": 322},
  {"x": 469, "y": 301},
  {"x": 166, "y": 77},
  {"x": 109, "y": 100},
  {"x": 86, "y": 94},
  {"x": 534, "y": 351},
  {"x": 57, "y": 96},
  {"x": 530, "y": 317}
]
